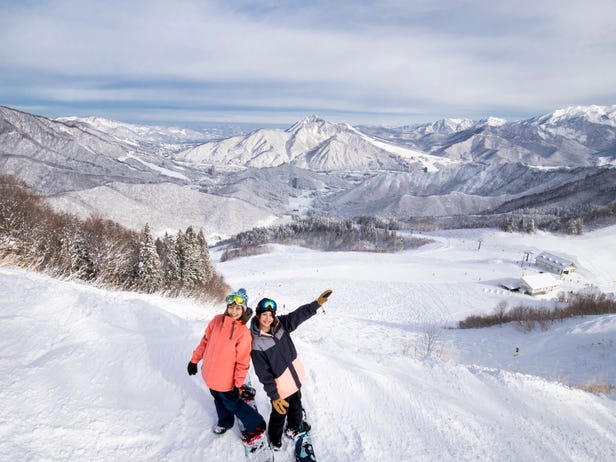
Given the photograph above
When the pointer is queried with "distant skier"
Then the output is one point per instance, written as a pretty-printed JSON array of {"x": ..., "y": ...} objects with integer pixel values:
[
  {"x": 276, "y": 364},
  {"x": 225, "y": 351}
]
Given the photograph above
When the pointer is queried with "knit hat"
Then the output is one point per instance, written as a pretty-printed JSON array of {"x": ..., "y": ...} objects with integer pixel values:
[{"x": 239, "y": 297}]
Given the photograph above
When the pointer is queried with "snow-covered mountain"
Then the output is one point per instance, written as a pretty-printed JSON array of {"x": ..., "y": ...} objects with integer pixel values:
[
  {"x": 85, "y": 171},
  {"x": 55, "y": 157},
  {"x": 152, "y": 138},
  {"x": 313, "y": 144},
  {"x": 571, "y": 137},
  {"x": 561, "y": 160}
]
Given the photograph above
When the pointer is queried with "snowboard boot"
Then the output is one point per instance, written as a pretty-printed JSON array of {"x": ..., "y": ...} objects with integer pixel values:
[
  {"x": 257, "y": 435},
  {"x": 276, "y": 445},
  {"x": 304, "y": 427},
  {"x": 220, "y": 430},
  {"x": 256, "y": 441}
]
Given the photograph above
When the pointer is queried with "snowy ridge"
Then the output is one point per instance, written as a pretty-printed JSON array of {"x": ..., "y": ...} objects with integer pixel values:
[
  {"x": 107, "y": 370},
  {"x": 603, "y": 115},
  {"x": 55, "y": 157},
  {"x": 570, "y": 137},
  {"x": 311, "y": 143},
  {"x": 132, "y": 133}
]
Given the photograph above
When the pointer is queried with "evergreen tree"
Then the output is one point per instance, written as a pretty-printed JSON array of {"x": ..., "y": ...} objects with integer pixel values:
[
  {"x": 75, "y": 254},
  {"x": 179, "y": 258},
  {"x": 170, "y": 262},
  {"x": 204, "y": 258},
  {"x": 197, "y": 267},
  {"x": 148, "y": 271},
  {"x": 191, "y": 268}
]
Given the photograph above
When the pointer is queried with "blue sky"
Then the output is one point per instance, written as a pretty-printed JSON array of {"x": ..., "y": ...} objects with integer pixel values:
[{"x": 392, "y": 62}]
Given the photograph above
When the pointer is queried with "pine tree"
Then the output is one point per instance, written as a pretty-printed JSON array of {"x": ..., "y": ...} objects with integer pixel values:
[
  {"x": 76, "y": 254},
  {"x": 191, "y": 269},
  {"x": 179, "y": 257},
  {"x": 148, "y": 271},
  {"x": 170, "y": 262},
  {"x": 204, "y": 258}
]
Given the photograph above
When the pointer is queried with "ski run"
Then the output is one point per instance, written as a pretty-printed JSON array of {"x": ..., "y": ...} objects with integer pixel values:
[{"x": 88, "y": 374}]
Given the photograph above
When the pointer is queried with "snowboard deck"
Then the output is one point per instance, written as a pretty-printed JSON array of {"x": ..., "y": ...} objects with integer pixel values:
[
  {"x": 302, "y": 441},
  {"x": 304, "y": 452},
  {"x": 258, "y": 450}
]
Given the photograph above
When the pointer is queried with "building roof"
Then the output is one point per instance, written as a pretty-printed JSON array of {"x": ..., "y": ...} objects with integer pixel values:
[
  {"x": 553, "y": 260},
  {"x": 540, "y": 280}
]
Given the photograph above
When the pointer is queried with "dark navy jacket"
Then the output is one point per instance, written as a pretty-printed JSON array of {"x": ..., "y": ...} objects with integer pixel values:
[{"x": 274, "y": 355}]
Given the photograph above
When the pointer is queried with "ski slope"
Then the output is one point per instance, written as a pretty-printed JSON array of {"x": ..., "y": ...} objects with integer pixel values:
[{"x": 99, "y": 375}]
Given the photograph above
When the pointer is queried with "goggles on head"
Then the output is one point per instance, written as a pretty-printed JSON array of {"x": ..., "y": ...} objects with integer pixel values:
[
  {"x": 267, "y": 304},
  {"x": 237, "y": 299}
]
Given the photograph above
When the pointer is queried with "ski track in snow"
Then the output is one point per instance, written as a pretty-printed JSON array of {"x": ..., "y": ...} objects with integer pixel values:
[{"x": 91, "y": 374}]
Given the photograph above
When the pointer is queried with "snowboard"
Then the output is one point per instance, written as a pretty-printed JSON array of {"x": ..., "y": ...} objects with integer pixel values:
[
  {"x": 304, "y": 452},
  {"x": 259, "y": 449}
]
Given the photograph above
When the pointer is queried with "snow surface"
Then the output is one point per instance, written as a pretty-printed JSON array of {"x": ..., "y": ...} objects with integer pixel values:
[
  {"x": 99, "y": 375},
  {"x": 162, "y": 170},
  {"x": 166, "y": 207}
]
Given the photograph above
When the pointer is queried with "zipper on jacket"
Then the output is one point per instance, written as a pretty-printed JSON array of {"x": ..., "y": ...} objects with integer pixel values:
[{"x": 232, "y": 329}]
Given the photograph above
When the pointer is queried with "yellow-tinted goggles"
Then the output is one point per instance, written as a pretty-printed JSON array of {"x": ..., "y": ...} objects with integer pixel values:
[{"x": 237, "y": 299}]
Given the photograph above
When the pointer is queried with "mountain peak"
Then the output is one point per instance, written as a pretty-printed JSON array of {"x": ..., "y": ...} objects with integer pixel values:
[
  {"x": 493, "y": 122},
  {"x": 604, "y": 115},
  {"x": 311, "y": 123}
]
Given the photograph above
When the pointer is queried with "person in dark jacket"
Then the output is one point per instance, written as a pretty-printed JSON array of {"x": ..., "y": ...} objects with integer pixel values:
[{"x": 275, "y": 361}]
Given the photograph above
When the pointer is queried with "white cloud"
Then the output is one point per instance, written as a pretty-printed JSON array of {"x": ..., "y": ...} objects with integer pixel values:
[{"x": 389, "y": 56}]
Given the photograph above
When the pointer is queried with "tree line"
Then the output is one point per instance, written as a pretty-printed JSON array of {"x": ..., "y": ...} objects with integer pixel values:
[
  {"x": 586, "y": 303},
  {"x": 566, "y": 220},
  {"x": 366, "y": 234},
  {"x": 34, "y": 235}
]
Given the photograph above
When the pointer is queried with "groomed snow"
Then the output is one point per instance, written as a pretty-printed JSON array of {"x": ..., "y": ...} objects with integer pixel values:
[{"x": 98, "y": 375}]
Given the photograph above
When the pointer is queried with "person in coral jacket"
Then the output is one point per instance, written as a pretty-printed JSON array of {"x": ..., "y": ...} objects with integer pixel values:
[
  {"x": 276, "y": 364},
  {"x": 225, "y": 351}
]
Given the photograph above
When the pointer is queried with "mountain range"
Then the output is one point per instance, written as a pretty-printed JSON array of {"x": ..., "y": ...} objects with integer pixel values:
[{"x": 172, "y": 177}]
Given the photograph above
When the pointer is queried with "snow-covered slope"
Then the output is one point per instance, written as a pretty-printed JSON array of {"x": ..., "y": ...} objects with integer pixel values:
[
  {"x": 166, "y": 207},
  {"x": 89, "y": 374},
  {"x": 573, "y": 137},
  {"x": 152, "y": 138},
  {"x": 54, "y": 157}
]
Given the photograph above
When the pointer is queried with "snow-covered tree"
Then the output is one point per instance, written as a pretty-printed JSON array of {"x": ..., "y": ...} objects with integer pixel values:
[
  {"x": 205, "y": 261},
  {"x": 148, "y": 270}
]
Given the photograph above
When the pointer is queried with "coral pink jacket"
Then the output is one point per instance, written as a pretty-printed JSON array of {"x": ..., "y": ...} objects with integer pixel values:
[{"x": 225, "y": 351}]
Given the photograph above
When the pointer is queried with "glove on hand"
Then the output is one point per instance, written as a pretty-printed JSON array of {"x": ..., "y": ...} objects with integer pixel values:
[
  {"x": 192, "y": 368},
  {"x": 323, "y": 297},
  {"x": 280, "y": 406}
]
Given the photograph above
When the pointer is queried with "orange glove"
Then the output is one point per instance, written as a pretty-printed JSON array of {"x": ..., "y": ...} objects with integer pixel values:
[
  {"x": 280, "y": 406},
  {"x": 323, "y": 297}
]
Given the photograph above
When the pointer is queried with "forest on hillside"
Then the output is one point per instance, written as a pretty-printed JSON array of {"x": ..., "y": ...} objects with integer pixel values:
[{"x": 97, "y": 250}]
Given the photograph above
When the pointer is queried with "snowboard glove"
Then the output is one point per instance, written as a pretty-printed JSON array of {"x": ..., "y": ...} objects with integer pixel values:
[
  {"x": 192, "y": 368},
  {"x": 280, "y": 406},
  {"x": 323, "y": 297}
]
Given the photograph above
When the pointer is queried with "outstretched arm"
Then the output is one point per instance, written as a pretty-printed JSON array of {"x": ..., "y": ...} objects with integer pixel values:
[{"x": 292, "y": 320}]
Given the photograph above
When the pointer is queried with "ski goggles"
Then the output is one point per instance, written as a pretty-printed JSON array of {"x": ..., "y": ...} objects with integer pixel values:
[
  {"x": 267, "y": 304},
  {"x": 237, "y": 299}
]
